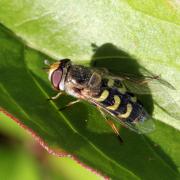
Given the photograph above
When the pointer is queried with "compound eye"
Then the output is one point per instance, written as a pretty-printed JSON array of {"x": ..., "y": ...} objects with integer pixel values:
[{"x": 56, "y": 78}]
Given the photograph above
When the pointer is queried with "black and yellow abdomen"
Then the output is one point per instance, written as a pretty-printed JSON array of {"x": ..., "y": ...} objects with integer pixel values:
[{"x": 124, "y": 105}]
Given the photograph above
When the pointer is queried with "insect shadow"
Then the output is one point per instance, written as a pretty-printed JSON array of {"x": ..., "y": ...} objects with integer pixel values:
[{"x": 120, "y": 63}]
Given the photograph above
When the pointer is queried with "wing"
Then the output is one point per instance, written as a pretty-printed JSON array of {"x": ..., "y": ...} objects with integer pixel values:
[
  {"x": 142, "y": 84},
  {"x": 130, "y": 114},
  {"x": 140, "y": 127},
  {"x": 152, "y": 85}
]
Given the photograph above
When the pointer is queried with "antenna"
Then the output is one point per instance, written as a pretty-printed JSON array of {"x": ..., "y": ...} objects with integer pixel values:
[{"x": 46, "y": 62}]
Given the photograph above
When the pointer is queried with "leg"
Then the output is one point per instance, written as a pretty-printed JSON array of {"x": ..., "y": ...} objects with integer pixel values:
[
  {"x": 114, "y": 128},
  {"x": 56, "y": 96},
  {"x": 69, "y": 104},
  {"x": 112, "y": 125}
]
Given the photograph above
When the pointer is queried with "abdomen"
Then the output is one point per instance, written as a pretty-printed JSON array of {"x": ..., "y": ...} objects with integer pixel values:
[
  {"x": 121, "y": 104},
  {"x": 124, "y": 106}
]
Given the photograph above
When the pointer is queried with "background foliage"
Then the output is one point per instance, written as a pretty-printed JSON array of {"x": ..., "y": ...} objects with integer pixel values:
[{"x": 26, "y": 159}]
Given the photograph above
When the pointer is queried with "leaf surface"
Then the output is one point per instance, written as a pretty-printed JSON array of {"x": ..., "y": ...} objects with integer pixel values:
[{"x": 125, "y": 39}]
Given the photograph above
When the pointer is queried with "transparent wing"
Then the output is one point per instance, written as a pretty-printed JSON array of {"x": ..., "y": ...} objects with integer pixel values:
[
  {"x": 143, "y": 84},
  {"x": 154, "y": 86},
  {"x": 141, "y": 127},
  {"x": 146, "y": 124}
]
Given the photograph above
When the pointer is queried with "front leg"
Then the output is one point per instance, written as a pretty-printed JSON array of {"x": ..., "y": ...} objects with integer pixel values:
[
  {"x": 69, "y": 104},
  {"x": 56, "y": 96}
]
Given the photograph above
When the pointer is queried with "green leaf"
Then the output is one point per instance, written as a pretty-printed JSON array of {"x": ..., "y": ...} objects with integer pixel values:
[
  {"x": 68, "y": 29},
  {"x": 19, "y": 152},
  {"x": 16, "y": 164}
]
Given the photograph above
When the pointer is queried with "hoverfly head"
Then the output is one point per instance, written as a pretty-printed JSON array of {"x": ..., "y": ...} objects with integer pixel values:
[{"x": 57, "y": 73}]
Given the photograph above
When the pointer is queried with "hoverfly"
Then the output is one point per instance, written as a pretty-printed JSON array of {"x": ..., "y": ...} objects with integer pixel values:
[{"x": 110, "y": 94}]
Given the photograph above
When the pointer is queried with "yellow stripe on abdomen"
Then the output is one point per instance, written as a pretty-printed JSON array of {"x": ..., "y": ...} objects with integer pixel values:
[
  {"x": 134, "y": 99},
  {"x": 122, "y": 89},
  {"x": 103, "y": 96},
  {"x": 116, "y": 104},
  {"x": 110, "y": 82},
  {"x": 127, "y": 113}
]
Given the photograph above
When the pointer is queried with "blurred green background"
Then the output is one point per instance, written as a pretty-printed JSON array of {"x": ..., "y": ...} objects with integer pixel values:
[{"x": 21, "y": 157}]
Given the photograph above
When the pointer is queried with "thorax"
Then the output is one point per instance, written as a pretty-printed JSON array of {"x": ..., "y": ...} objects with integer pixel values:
[{"x": 77, "y": 80}]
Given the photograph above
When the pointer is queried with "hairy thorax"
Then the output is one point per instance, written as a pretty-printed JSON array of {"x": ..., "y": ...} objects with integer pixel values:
[{"x": 82, "y": 82}]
